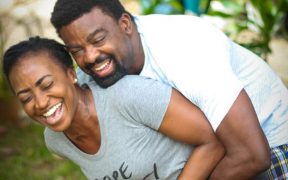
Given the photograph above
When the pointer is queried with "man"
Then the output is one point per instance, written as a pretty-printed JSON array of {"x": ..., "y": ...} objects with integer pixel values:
[{"x": 214, "y": 73}]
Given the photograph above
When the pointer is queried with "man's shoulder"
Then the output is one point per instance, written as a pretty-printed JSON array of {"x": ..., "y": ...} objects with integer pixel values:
[
  {"x": 156, "y": 21},
  {"x": 160, "y": 29},
  {"x": 82, "y": 77}
]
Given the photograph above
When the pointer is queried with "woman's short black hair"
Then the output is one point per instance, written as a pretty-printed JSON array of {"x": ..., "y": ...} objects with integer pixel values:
[
  {"x": 36, "y": 45},
  {"x": 66, "y": 11}
]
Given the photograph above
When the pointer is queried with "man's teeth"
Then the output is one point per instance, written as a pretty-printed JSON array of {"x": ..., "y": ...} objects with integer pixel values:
[
  {"x": 52, "y": 110},
  {"x": 102, "y": 66}
]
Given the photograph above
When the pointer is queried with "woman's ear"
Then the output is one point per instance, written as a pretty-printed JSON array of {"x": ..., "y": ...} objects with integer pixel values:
[
  {"x": 126, "y": 23},
  {"x": 72, "y": 75}
]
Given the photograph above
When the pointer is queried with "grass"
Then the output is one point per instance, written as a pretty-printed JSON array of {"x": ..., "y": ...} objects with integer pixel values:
[{"x": 24, "y": 156}]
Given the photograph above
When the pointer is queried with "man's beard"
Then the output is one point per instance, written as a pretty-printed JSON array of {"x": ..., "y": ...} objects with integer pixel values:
[{"x": 113, "y": 78}]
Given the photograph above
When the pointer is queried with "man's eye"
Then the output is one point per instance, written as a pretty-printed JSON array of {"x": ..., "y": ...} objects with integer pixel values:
[{"x": 98, "y": 40}]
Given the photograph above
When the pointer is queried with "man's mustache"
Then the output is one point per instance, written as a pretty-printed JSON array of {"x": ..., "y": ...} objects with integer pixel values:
[{"x": 99, "y": 59}]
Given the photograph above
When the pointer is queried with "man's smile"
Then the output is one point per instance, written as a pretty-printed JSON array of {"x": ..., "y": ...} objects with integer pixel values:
[
  {"x": 103, "y": 69},
  {"x": 103, "y": 65}
]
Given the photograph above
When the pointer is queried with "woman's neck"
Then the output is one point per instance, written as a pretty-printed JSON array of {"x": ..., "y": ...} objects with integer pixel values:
[
  {"x": 85, "y": 109},
  {"x": 84, "y": 131}
]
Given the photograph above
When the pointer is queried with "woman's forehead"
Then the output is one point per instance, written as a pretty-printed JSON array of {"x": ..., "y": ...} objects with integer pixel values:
[{"x": 33, "y": 64}]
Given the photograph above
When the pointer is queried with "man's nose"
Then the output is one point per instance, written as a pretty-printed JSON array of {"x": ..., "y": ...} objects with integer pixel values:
[{"x": 91, "y": 55}]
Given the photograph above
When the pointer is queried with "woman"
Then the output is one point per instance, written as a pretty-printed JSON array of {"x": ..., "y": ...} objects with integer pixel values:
[{"x": 136, "y": 129}]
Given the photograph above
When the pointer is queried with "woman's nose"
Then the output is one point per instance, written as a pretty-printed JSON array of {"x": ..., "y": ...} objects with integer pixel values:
[{"x": 41, "y": 101}]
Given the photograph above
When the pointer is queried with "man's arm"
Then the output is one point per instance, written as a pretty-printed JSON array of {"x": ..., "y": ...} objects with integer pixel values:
[{"x": 247, "y": 149}]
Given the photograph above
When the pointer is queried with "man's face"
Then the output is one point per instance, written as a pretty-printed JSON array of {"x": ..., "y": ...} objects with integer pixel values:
[{"x": 100, "y": 45}]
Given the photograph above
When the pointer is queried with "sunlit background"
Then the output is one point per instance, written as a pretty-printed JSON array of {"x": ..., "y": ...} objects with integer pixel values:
[{"x": 259, "y": 25}]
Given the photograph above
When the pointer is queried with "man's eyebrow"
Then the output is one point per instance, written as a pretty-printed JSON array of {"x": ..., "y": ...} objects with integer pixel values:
[
  {"x": 91, "y": 35},
  {"x": 37, "y": 83}
]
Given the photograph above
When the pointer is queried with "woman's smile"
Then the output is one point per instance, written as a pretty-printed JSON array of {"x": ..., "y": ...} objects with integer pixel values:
[{"x": 54, "y": 114}]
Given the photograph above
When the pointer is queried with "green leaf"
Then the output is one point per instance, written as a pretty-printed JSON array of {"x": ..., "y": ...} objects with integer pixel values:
[{"x": 220, "y": 14}]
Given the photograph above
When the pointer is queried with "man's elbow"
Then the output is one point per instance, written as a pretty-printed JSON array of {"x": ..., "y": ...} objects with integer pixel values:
[
  {"x": 262, "y": 162},
  {"x": 255, "y": 163},
  {"x": 251, "y": 163}
]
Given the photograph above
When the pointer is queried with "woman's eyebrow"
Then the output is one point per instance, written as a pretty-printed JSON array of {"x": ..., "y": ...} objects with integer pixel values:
[{"x": 37, "y": 83}]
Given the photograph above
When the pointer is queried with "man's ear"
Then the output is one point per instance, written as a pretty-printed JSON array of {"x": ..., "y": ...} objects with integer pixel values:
[
  {"x": 126, "y": 23},
  {"x": 72, "y": 75}
]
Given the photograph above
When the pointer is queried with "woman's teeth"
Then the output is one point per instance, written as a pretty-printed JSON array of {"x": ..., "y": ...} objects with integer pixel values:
[{"x": 52, "y": 110}]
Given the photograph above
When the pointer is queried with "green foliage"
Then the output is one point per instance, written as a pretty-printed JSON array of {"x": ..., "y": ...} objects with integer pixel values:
[
  {"x": 24, "y": 155},
  {"x": 265, "y": 18},
  {"x": 5, "y": 92},
  {"x": 161, "y": 7},
  {"x": 174, "y": 6},
  {"x": 196, "y": 7},
  {"x": 204, "y": 5}
]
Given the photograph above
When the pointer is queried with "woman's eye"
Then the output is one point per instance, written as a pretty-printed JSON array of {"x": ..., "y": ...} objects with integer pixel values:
[
  {"x": 26, "y": 100},
  {"x": 48, "y": 85},
  {"x": 75, "y": 52}
]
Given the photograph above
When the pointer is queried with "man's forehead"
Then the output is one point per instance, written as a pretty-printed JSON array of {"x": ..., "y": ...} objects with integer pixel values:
[
  {"x": 95, "y": 14},
  {"x": 95, "y": 19},
  {"x": 85, "y": 26}
]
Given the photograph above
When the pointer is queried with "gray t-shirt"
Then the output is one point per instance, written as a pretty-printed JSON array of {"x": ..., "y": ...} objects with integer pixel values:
[{"x": 130, "y": 113}]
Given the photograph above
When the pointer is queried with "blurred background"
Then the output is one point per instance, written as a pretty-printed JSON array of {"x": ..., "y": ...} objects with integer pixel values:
[{"x": 261, "y": 26}]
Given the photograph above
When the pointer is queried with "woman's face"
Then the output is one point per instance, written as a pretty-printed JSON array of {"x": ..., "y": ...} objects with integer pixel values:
[{"x": 45, "y": 89}]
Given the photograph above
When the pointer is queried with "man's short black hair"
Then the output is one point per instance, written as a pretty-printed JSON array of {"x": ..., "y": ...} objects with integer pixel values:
[
  {"x": 66, "y": 11},
  {"x": 32, "y": 46}
]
